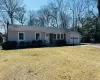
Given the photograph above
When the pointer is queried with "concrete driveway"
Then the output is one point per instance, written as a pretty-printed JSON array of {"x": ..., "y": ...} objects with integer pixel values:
[{"x": 91, "y": 44}]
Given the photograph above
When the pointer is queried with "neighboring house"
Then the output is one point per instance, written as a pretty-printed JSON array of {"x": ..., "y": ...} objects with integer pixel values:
[{"x": 49, "y": 34}]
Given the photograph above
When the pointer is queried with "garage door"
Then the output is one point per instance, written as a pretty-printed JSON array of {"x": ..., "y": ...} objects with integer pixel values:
[{"x": 74, "y": 40}]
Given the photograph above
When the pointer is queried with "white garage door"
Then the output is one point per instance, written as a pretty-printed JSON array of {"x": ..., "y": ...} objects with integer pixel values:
[{"x": 74, "y": 40}]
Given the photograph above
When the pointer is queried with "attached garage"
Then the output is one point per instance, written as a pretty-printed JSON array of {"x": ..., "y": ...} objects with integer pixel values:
[{"x": 73, "y": 38}]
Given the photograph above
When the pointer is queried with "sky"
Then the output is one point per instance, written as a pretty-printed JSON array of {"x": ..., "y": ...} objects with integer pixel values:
[{"x": 34, "y": 4}]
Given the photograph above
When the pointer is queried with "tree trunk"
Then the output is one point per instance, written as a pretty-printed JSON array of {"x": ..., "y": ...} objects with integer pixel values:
[
  {"x": 11, "y": 20},
  {"x": 99, "y": 8}
]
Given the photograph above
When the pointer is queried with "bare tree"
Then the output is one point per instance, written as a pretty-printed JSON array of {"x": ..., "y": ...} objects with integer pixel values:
[
  {"x": 41, "y": 18},
  {"x": 32, "y": 18},
  {"x": 98, "y": 6},
  {"x": 53, "y": 15},
  {"x": 45, "y": 12},
  {"x": 20, "y": 15},
  {"x": 3, "y": 22},
  {"x": 78, "y": 8},
  {"x": 44, "y": 16},
  {"x": 59, "y": 13},
  {"x": 10, "y": 7},
  {"x": 3, "y": 26}
]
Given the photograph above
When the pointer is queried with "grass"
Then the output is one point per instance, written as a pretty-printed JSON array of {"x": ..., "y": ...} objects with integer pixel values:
[{"x": 62, "y": 63}]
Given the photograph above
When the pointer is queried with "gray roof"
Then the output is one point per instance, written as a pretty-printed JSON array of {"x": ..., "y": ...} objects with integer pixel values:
[{"x": 36, "y": 28}]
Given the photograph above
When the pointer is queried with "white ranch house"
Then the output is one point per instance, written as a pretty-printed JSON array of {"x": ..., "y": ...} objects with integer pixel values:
[{"x": 49, "y": 34}]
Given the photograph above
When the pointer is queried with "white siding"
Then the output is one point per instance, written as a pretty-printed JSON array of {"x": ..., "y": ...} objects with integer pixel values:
[
  {"x": 29, "y": 36},
  {"x": 12, "y": 36}
]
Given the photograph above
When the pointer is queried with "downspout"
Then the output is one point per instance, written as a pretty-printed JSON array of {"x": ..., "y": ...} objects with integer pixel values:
[{"x": 7, "y": 30}]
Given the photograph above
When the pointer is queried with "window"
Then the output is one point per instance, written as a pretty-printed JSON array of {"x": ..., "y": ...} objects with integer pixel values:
[
  {"x": 21, "y": 36},
  {"x": 62, "y": 36},
  {"x": 54, "y": 36},
  {"x": 37, "y": 36},
  {"x": 58, "y": 36}
]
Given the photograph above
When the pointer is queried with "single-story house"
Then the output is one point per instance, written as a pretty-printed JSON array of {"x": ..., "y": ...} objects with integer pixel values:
[{"x": 49, "y": 34}]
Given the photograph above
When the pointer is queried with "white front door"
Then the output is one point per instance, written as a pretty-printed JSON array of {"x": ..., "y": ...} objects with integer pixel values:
[{"x": 47, "y": 37}]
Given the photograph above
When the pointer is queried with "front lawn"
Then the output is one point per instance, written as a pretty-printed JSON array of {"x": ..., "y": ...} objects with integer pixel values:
[{"x": 61, "y": 63}]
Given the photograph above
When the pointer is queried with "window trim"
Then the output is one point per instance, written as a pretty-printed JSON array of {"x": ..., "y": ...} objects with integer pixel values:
[
  {"x": 23, "y": 36},
  {"x": 59, "y": 36},
  {"x": 39, "y": 34}
]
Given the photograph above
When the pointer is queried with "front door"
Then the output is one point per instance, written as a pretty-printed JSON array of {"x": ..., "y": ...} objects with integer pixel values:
[{"x": 51, "y": 39}]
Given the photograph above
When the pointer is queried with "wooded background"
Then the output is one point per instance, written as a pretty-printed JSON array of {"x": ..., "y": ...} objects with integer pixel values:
[{"x": 80, "y": 15}]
